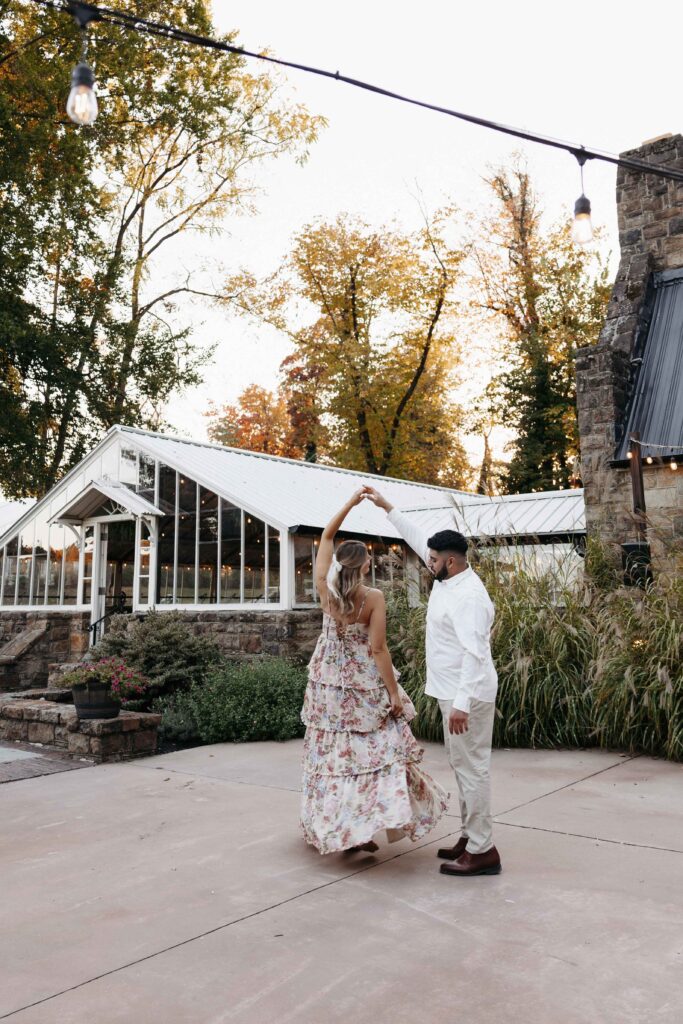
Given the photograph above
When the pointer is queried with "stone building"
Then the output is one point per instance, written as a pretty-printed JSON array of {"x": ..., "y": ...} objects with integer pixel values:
[
  {"x": 632, "y": 380},
  {"x": 226, "y": 537}
]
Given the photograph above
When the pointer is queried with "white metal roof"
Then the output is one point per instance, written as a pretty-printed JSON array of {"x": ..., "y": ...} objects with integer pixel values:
[
  {"x": 286, "y": 492},
  {"x": 547, "y": 513},
  {"x": 86, "y": 503},
  {"x": 289, "y": 493}
]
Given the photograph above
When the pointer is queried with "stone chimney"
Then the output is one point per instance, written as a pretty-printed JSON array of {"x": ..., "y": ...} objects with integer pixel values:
[{"x": 650, "y": 217}]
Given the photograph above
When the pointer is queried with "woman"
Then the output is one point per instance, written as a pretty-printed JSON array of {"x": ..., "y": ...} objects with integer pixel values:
[{"x": 361, "y": 761}]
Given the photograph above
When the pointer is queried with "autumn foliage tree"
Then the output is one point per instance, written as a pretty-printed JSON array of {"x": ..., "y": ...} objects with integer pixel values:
[
  {"x": 375, "y": 355},
  {"x": 259, "y": 421},
  {"x": 91, "y": 322},
  {"x": 545, "y": 297}
]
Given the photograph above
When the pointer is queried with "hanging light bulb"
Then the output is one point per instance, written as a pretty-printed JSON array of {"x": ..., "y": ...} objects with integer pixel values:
[
  {"x": 674, "y": 465},
  {"x": 582, "y": 227},
  {"x": 649, "y": 460},
  {"x": 82, "y": 103}
]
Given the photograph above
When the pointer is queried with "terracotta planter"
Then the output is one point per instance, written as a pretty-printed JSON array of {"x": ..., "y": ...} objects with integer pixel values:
[{"x": 94, "y": 700}]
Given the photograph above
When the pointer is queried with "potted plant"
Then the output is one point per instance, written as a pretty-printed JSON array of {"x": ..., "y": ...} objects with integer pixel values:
[{"x": 100, "y": 687}]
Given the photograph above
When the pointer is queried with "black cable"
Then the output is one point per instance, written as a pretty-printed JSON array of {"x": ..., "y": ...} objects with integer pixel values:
[{"x": 129, "y": 21}]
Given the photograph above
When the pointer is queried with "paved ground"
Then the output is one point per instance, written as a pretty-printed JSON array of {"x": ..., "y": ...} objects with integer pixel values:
[
  {"x": 29, "y": 760},
  {"x": 176, "y": 890}
]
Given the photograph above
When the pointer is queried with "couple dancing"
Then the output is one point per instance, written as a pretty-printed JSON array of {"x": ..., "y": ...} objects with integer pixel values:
[{"x": 362, "y": 771}]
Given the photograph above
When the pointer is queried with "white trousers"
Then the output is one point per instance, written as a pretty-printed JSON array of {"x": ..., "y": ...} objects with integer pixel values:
[{"x": 469, "y": 754}]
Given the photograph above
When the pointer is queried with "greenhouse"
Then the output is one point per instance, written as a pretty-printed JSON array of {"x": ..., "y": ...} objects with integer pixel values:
[{"x": 149, "y": 520}]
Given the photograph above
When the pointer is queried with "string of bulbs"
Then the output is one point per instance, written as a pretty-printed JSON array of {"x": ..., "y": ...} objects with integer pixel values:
[
  {"x": 649, "y": 459},
  {"x": 82, "y": 106}
]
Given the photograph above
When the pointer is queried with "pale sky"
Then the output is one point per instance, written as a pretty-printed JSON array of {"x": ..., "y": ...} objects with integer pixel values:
[{"x": 605, "y": 74}]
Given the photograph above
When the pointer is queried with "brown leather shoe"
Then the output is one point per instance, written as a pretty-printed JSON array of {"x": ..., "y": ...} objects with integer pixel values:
[
  {"x": 474, "y": 864},
  {"x": 453, "y": 852}
]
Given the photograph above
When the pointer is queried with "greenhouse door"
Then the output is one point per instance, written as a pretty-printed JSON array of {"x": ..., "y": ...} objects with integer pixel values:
[{"x": 113, "y": 571}]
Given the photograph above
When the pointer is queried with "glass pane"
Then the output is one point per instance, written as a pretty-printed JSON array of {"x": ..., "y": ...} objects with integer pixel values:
[
  {"x": 208, "y": 546},
  {"x": 254, "y": 558},
  {"x": 40, "y": 551},
  {"x": 24, "y": 570},
  {"x": 56, "y": 557},
  {"x": 119, "y": 538},
  {"x": 88, "y": 548},
  {"x": 167, "y": 484},
  {"x": 145, "y": 551},
  {"x": 9, "y": 572},
  {"x": 187, "y": 535},
  {"x": 304, "y": 589},
  {"x": 231, "y": 552},
  {"x": 387, "y": 562},
  {"x": 146, "y": 477},
  {"x": 273, "y": 564},
  {"x": 128, "y": 468},
  {"x": 71, "y": 554}
]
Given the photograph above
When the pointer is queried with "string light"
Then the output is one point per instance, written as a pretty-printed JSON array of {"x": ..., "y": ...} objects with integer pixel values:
[
  {"x": 135, "y": 23},
  {"x": 81, "y": 105},
  {"x": 582, "y": 227},
  {"x": 649, "y": 459}
]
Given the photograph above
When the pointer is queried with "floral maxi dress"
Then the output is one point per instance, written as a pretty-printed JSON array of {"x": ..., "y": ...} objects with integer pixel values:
[{"x": 361, "y": 766}]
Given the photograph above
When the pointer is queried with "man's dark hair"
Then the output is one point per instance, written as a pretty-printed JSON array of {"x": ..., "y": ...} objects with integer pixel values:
[{"x": 449, "y": 540}]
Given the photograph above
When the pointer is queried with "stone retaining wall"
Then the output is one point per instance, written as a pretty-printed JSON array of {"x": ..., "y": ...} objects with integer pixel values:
[
  {"x": 65, "y": 638},
  {"x": 131, "y": 734},
  {"x": 289, "y": 634}
]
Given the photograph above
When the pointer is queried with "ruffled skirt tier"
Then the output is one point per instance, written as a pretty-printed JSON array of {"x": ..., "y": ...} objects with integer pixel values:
[{"x": 361, "y": 766}]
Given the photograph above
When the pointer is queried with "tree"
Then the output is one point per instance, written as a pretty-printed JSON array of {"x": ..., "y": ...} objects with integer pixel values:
[
  {"x": 91, "y": 332},
  {"x": 548, "y": 297},
  {"x": 372, "y": 367},
  {"x": 259, "y": 422}
]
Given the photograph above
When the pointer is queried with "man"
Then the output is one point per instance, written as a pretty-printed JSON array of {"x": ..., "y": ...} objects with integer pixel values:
[{"x": 462, "y": 677}]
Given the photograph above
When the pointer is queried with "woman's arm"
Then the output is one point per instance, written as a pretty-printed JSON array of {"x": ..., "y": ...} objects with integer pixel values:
[
  {"x": 377, "y": 633},
  {"x": 326, "y": 547}
]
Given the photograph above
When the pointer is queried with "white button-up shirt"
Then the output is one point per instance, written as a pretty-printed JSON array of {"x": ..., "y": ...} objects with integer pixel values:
[{"x": 458, "y": 637}]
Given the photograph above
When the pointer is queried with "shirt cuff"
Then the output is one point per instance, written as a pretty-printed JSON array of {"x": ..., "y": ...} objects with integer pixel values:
[{"x": 462, "y": 703}]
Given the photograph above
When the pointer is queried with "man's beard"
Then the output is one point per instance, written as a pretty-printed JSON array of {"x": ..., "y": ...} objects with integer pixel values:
[{"x": 442, "y": 574}]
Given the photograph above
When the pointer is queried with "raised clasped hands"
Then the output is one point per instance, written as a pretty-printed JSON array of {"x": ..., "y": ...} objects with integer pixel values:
[{"x": 375, "y": 497}]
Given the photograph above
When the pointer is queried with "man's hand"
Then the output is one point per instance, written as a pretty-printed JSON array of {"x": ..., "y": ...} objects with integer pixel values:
[
  {"x": 377, "y": 498},
  {"x": 458, "y": 721}
]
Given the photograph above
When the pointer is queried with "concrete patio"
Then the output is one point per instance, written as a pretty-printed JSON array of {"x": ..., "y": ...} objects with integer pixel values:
[{"x": 176, "y": 890}]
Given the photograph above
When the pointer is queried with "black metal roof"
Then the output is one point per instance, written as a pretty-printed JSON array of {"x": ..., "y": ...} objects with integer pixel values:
[{"x": 655, "y": 408}]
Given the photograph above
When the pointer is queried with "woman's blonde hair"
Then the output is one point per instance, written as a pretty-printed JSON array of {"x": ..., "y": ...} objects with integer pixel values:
[{"x": 345, "y": 574}]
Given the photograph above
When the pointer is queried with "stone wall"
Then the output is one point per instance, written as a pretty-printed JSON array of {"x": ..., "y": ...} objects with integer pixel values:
[
  {"x": 49, "y": 723},
  {"x": 290, "y": 634},
  {"x": 64, "y": 637},
  {"x": 650, "y": 217}
]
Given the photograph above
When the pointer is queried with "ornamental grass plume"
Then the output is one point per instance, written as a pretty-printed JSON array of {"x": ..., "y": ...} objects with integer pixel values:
[{"x": 582, "y": 660}]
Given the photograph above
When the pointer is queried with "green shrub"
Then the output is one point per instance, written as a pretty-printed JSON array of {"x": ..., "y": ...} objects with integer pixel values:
[
  {"x": 178, "y": 725},
  {"x": 163, "y": 647},
  {"x": 239, "y": 702}
]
